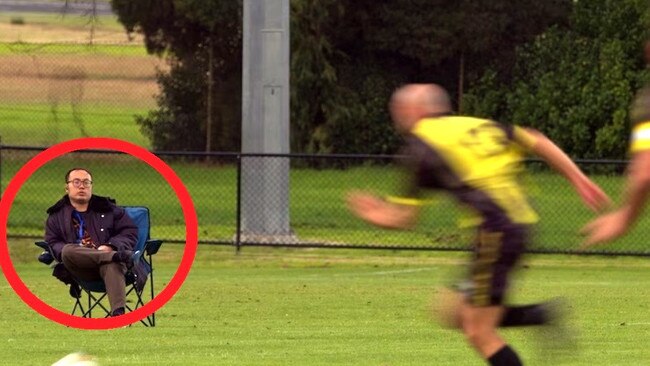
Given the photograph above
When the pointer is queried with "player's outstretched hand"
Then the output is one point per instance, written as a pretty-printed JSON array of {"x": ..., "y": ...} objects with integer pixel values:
[
  {"x": 361, "y": 202},
  {"x": 592, "y": 195},
  {"x": 365, "y": 205},
  {"x": 376, "y": 211},
  {"x": 605, "y": 228}
]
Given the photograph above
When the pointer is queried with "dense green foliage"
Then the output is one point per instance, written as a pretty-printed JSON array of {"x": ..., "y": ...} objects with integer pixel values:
[
  {"x": 575, "y": 82},
  {"x": 201, "y": 40},
  {"x": 347, "y": 57},
  {"x": 568, "y": 68}
]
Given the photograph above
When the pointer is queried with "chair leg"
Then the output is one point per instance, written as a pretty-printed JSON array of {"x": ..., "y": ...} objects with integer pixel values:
[
  {"x": 139, "y": 302},
  {"x": 151, "y": 318},
  {"x": 77, "y": 305},
  {"x": 94, "y": 302}
]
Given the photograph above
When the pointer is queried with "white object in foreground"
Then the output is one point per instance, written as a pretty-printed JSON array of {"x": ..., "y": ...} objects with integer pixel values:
[{"x": 76, "y": 359}]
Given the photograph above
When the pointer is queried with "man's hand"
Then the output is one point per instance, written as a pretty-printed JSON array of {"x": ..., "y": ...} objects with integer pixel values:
[
  {"x": 591, "y": 194},
  {"x": 605, "y": 228},
  {"x": 105, "y": 248},
  {"x": 381, "y": 213}
]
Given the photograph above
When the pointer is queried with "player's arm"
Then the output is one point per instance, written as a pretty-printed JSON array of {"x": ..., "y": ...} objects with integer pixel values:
[
  {"x": 638, "y": 181},
  {"x": 383, "y": 213},
  {"x": 613, "y": 225},
  {"x": 542, "y": 146},
  {"x": 638, "y": 185}
]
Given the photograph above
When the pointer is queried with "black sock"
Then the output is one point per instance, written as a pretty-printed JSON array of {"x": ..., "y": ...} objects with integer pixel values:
[
  {"x": 505, "y": 357},
  {"x": 515, "y": 316}
]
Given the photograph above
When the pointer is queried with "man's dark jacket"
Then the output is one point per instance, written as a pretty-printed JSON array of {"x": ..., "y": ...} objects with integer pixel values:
[{"x": 106, "y": 223}]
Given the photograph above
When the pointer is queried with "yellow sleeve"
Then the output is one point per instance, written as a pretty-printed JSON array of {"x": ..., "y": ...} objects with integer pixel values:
[
  {"x": 409, "y": 201},
  {"x": 640, "y": 140}
]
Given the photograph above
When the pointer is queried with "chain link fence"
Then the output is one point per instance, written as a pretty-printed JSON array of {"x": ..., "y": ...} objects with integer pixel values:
[
  {"x": 311, "y": 209},
  {"x": 55, "y": 91}
]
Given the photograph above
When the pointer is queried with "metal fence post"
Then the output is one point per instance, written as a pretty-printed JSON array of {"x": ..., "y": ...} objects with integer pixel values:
[
  {"x": 238, "y": 210},
  {"x": 265, "y": 122}
]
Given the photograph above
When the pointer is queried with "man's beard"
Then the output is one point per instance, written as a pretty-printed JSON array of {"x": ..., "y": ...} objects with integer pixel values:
[{"x": 81, "y": 201}]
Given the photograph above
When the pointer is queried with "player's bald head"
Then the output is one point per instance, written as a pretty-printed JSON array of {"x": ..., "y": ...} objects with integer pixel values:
[
  {"x": 412, "y": 102},
  {"x": 431, "y": 97}
]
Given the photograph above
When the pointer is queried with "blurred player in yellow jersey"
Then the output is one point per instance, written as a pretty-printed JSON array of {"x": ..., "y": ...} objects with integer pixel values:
[
  {"x": 476, "y": 161},
  {"x": 613, "y": 225}
]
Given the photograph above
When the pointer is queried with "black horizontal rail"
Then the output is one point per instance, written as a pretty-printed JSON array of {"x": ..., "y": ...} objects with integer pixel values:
[{"x": 235, "y": 155}]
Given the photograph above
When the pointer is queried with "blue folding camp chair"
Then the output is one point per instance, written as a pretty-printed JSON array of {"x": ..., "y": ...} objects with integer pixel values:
[{"x": 135, "y": 280}]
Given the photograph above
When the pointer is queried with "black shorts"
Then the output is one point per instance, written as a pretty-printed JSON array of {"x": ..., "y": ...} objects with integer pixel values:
[{"x": 495, "y": 255}]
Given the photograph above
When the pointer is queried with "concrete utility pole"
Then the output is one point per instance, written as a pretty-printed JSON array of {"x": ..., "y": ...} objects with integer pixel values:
[{"x": 265, "y": 122}]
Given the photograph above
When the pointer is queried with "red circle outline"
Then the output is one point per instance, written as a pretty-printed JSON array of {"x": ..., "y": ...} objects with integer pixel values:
[{"x": 189, "y": 214}]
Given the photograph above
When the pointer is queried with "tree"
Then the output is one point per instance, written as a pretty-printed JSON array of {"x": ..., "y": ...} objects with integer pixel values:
[
  {"x": 575, "y": 83},
  {"x": 202, "y": 42},
  {"x": 347, "y": 58},
  {"x": 448, "y": 40},
  {"x": 336, "y": 107}
]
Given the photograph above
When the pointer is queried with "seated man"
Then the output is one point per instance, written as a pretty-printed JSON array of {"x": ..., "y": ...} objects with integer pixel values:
[{"x": 92, "y": 237}]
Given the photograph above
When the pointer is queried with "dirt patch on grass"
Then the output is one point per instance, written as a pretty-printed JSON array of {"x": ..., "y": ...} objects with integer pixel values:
[
  {"x": 80, "y": 75},
  {"x": 128, "y": 81},
  {"x": 91, "y": 66},
  {"x": 115, "y": 92}
]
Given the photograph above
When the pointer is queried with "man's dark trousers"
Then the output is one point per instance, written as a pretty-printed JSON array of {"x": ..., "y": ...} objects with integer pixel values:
[{"x": 90, "y": 264}]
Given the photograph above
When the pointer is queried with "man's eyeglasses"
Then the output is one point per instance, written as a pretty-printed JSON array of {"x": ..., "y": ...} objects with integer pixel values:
[{"x": 78, "y": 183}]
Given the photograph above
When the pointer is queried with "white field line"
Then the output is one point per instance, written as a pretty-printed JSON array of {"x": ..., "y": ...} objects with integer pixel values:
[
  {"x": 375, "y": 273},
  {"x": 400, "y": 271}
]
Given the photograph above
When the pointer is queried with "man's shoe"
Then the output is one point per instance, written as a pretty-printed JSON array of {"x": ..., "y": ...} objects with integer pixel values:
[
  {"x": 75, "y": 290},
  {"x": 46, "y": 258},
  {"x": 117, "y": 312}
]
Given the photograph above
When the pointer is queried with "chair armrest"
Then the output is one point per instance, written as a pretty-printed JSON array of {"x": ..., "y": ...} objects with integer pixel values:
[
  {"x": 43, "y": 245},
  {"x": 151, "y": 246},
  {"x": 135, "y": 257},
  {"x": 47, "y": 257}
]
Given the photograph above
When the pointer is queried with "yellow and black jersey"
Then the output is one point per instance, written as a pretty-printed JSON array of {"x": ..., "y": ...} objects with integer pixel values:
[
  {"x": 640, "y": 117},
  {"x": 477, "y": 161}
]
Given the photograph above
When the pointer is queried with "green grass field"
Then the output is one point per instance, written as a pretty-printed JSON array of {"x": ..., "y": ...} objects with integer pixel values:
[
  {"x": 71, "y": 49},
  {"x": 34, "y": 124},
  {"x": 329, "y": 307},
  {"x": 73, "y": 21},
  {"x": 49, "y": 64}
]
